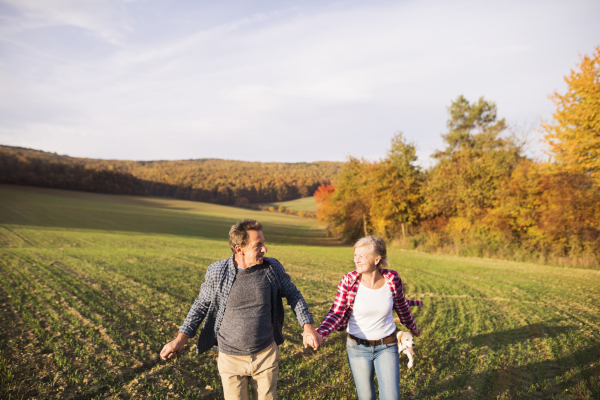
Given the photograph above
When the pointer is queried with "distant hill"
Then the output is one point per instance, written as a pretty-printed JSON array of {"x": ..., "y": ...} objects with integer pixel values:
[{"x": 209, "y": 180}]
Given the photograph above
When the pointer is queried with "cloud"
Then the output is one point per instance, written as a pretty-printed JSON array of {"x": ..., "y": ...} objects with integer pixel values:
[{"x": 106, "y": 20}]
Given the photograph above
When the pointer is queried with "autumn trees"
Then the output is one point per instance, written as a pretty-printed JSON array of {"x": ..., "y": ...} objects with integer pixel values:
[
  {"x": 396, "y": 189},
  {"x": 209, "y": 180},
  {"x": 483, "y": 196},
  {"x": 393, "y": 195},
  {"x": 574, "y": 135},
  {"x": 371, "y": 197}
]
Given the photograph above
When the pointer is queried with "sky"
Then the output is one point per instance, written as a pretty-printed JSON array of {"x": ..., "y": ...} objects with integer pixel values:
[{"x": 276, "y": 80}]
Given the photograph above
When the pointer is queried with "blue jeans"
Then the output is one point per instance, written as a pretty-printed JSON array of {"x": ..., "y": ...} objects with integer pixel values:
[{"x": 366, "y": 361}]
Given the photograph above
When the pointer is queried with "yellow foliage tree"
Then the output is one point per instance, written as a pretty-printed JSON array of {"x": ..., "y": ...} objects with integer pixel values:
[{"x": 574, "y": 137}]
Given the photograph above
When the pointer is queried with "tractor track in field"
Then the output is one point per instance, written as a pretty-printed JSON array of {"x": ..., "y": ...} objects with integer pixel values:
[
  {"x": 24, "y": 338},
  {"x": 468, "y": 296},
  {"x": 27, "y": 358},
  {"x": 98, "y": 350},
  {"x": 9, "y": 236}
]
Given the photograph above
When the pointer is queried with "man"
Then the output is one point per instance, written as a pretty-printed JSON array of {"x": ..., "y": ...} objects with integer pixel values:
[{"x": 241, "y": 304}]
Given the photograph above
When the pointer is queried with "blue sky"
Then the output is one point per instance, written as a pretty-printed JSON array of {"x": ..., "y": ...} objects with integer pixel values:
[{"x": 275, "y": 80}]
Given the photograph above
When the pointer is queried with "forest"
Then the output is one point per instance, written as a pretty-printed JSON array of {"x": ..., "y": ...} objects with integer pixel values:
[
  {"x": 209, "y": 180},
  {"x": 484, "y": 196}
]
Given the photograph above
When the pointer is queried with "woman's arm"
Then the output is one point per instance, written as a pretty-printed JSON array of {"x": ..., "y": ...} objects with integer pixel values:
[
  {"x": 335, "y": 316},
  {"x": 401, "y": 306}
]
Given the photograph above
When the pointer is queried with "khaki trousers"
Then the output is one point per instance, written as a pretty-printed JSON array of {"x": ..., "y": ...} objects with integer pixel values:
[{"x": 260, "y": 370}]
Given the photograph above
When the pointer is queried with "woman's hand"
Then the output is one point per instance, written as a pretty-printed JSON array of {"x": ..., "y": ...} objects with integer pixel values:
[{"x": 416, "y": 331}]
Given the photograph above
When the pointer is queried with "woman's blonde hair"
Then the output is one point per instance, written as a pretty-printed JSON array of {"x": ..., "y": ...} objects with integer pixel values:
[{"x": 378, "y": 246}]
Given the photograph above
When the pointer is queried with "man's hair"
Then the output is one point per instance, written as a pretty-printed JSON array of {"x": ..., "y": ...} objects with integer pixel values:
[
  {"x": 379, "y": 249},
  {"x": 238, "y": 234}
]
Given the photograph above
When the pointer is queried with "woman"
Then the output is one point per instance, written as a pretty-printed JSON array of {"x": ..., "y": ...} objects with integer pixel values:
[{"x": 363, "y": 304}]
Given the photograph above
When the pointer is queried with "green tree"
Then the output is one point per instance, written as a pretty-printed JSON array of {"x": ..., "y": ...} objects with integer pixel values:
[
  {"x": 396, "y": 190},
  {"x": 347, "y": 209},
  {"x": 465, "y": 181}
]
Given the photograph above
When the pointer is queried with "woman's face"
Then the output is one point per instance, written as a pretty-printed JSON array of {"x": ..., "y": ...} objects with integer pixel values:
[{"x": 365, "y": 260}]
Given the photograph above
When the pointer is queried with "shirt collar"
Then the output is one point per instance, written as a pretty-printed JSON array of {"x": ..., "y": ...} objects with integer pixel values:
[{"x": 389, "y": 277}]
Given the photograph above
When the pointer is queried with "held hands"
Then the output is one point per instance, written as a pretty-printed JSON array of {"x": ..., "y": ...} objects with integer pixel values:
[{"x": 311, "y": 337}]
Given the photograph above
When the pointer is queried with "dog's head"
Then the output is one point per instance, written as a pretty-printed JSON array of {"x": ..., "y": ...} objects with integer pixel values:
[{"x": 405, "y": 341}]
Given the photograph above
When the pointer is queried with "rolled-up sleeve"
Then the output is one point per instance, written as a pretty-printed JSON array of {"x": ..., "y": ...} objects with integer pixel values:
[{"x": 402, "y": 305}]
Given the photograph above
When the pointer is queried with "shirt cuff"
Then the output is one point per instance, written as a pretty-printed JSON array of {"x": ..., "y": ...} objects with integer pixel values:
[
  {"x": 322, "y": 333},
  {"x": 187, "y": 331},
  {"x": 304, "y": 319},
  {"x": 412, "y": 326}
]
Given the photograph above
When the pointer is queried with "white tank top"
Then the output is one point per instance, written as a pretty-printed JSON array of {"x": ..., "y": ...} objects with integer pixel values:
[{"x": 371, "y": 317}]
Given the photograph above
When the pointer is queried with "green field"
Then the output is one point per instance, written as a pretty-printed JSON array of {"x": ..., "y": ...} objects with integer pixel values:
[
  {"x": 92, "y": 286},
  {"x": 303, "y": 204}
]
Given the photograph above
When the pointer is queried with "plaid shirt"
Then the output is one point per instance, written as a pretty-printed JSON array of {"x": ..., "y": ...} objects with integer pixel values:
[
  {"x": 210, "y": 304},
  {"x": 337, "y": 318}
]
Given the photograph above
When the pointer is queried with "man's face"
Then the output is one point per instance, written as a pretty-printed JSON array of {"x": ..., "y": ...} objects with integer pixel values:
[{"x": 254, "y": 250}]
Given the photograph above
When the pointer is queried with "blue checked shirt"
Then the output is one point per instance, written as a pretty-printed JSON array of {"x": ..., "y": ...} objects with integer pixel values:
[{"x": 210, "y": 304}]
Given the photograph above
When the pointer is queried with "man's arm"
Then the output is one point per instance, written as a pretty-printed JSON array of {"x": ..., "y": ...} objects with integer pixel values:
[
  {"x": 310, "y": 337},
  {"x": 292, "y": 294},
  {"x": 194, "y": 317}
]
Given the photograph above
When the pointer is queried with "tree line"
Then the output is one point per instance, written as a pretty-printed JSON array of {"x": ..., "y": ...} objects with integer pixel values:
[
  {"x": 483, "y": 196},
  {"x": 209, "y": 180}
]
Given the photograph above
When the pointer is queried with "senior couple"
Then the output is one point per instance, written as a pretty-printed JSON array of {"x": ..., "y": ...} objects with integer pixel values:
[{"x": 241, "y": 305}]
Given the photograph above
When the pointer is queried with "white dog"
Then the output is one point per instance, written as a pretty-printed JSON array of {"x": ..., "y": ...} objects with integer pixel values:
[{"x": 405, "y": 345}]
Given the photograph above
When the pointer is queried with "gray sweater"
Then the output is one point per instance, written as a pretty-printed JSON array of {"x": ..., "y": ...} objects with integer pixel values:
[{"x": 247, "y": 327}]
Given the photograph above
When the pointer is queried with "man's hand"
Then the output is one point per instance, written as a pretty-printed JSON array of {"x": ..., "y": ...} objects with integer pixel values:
[
  {"x": 172, "y": 349},
  {"x": 416, "y": 331},
  {"x": 311, "y": 337}
]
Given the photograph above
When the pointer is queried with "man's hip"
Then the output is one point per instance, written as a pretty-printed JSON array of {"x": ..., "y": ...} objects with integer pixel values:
[{"x": 260, "y": 370}]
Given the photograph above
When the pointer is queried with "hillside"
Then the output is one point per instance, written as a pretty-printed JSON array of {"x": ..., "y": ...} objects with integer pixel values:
[{"x": 210, "y": 180}]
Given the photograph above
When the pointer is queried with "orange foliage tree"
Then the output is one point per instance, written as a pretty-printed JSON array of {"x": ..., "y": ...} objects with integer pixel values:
[
  {"x": 322, "y": 198},
  {"x": 549, "y": 211},
  {"x": 380, "y": 198},
  {"x": 574, "y": 136}
]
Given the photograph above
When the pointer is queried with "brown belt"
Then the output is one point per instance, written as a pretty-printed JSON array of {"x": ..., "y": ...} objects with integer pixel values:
[{"x": 385, "y": 340}]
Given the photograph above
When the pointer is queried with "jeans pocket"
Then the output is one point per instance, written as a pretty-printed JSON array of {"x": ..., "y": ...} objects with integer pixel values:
[
  {"x": 387, "y": 346},
  {"x": 351, "y": 343}
]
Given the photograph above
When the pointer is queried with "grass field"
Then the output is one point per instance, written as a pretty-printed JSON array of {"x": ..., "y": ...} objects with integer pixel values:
[
  {"x": 92, "y": 286},
  {"x": 303, "y": 204}
]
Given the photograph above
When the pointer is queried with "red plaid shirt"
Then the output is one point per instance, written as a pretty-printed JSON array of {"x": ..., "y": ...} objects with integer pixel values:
[{"x": 337, "y": 318}]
